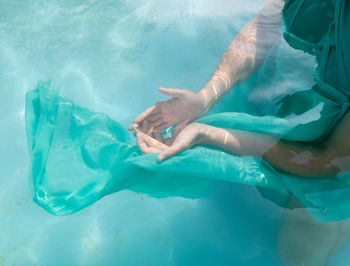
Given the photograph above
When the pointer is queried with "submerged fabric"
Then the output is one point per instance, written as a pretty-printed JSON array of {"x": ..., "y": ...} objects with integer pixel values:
[
  {"x": 307, "y": 22},
  {"x": 336, "y": 59},
  {"x": 322, "y": 28},
  {"x": 79, "y": 156}
]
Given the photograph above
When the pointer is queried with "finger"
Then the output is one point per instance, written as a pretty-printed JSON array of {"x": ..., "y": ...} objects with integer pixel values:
[
  {"x": 152, "y": 150},
  {"x": 158, "y": 123},
  {"x": 136, "y": 131},
  {"x": 132, "y": 127},
  {"x": 161, "y": 126},
  {"x": 154, "y": 117},
  {"x": 151, "y": 142},
  {"x": 177, "y": 93},
  {"x": 171, "y": 141},
  {"x": 142, "y": 144},
  {"x": 168, "y": 153},
  {"x": 168, "y": 142},
  {"x": 143, "y": 128},
  {"x": 135, "y": 127},
  {"x": 147, "y": 112},
  {"x": 146, "y": 127},
  {"x": 158, "y": 136}
]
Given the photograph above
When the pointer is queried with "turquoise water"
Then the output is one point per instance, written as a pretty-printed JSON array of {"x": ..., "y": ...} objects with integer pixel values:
[{"x": 111, "y": 56}]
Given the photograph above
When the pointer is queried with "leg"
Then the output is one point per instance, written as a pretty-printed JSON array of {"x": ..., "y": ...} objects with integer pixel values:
[{"x": 302, "y": 241}]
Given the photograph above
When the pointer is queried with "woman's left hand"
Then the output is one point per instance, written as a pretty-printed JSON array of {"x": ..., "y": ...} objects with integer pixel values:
[{"x": 187, "y": 138}]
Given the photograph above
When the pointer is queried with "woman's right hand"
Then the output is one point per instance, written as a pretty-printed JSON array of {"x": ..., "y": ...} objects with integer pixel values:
[{"x": 183, "y": 108}]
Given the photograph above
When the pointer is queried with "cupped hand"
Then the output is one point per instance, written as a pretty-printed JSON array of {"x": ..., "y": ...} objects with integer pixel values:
[
  {"x": 180, "y": 110},
  {"x": 187, "y": 138}
]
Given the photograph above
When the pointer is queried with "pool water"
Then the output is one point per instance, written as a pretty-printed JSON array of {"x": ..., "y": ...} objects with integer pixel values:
[{"x": 111, "y": 56}]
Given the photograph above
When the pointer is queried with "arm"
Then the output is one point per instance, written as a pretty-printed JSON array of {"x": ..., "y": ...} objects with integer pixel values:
[
  {"x": 304, "y": 159},
  {"x": 309, "y": 160},
  {"x": 245, "y": 53}
]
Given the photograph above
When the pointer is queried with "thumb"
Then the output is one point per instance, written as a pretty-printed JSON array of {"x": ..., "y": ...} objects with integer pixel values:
[{"x": 177, "y": 93}]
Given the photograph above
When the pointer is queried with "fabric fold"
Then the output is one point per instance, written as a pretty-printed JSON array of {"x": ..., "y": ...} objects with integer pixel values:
[{"x": 79, "y": 156}]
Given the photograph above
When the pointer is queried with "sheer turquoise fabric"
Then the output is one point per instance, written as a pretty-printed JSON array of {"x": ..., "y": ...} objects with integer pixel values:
[
  {"x": 322, "y": 28},
  {"x": 79, "y": 156}
]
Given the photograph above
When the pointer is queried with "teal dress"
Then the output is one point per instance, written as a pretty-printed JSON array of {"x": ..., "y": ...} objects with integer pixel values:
[{"x": 79, "y": 156}]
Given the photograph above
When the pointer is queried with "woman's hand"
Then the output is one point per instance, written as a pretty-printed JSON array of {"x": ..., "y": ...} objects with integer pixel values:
[
  {"x": 187, "y": 138},
  {"x": 183, "y": 108}
]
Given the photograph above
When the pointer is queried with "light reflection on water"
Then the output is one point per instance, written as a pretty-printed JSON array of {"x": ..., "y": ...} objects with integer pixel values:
[{"x": 111, "y": 56}]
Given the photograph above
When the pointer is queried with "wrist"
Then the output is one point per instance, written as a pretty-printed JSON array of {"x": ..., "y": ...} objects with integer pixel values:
[
  {"x": 221, "y": 138},
  {"x": 203, "y": 98},
  {"x": 204, "y": 133},
  {"x": 201, "y": 135},
  {"x": 215, "y": 89},
  {"x": 208, "y": 96}
]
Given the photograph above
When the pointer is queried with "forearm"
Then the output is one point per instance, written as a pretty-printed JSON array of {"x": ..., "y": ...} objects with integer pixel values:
[
  {"x": 302, "y": 159},
  {"x": 237, "y": 60},
  {"x": 245, "y": 53}
]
